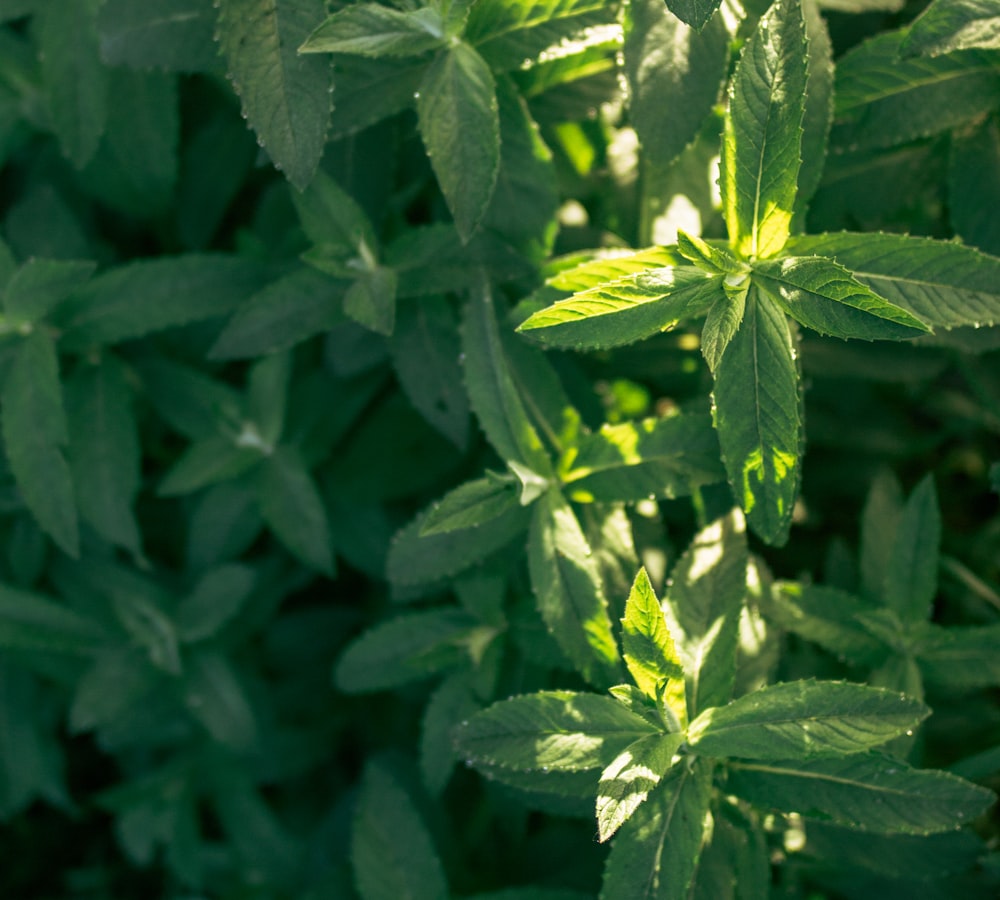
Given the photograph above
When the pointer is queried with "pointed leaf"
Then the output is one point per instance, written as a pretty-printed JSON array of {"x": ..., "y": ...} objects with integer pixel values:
[
  {"x": 34, "y": 433},
  {"x": 569, "y": 590},
  {"x": 974, "y": 184},
  {"x": 805, "y": 720},
  {"x": 175, "y": 35},
  {"x": 371, "y": 300},
  {"x": 627, "y": 310},
  {"x": 646, "y": 643},
  {"x": 879, "y": 522},
  {"x": 763, "y": 133},
  {"x": 667, "y": 457},
  {"x": 655, "y": 853},
  {"x": 704, "y": 602},
  {"x": 370, "y": 29},
  {"x": 758, "y": 418},
  {"x": 208, "y": 462},
  {"x": 868, "y": 791},
  {"x": 216, "y": 598},
  {"x": 489, "y": 19},
  {"x": 883, "y": 99},
  {"x": 944, "y": 27},
  {"x": 626, "y": 783},
  {"x": 824, "y": 296},
  {"x": 912, "y": 573},
  {"x": 332, "y": 218},
  {"x": 818, "y": 112},
  {"x": 722, "y": 322},
  {"x": 214, "y": 696},
  {"x": 940, "y": 282},
  {"x": 34, "y": 623},
  {"x": 293, "y": 509},
  {"x": 960, "y": 657},
  {"x": 471, "y": 504},
  {"x": 551, "y": 730},
  {"x": 451, "y": 703},
  {"x": 694, "y": 12},
  {"x": 612, "y": 265},
  {"x": 460, "y": 126},
  {"x": 286, "y": 97},
  {"x": 37, "y": 286}
]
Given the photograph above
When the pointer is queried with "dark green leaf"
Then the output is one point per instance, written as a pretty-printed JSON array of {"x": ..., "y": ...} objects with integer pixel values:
[
  {"x": 145, "y": 620},
  {"x": 912, "y": 573},
  {"x": 104, "y": 453},
  {"x": 944, "y": 27},
  {"x": 371, "y": 300},
  {"x": 763, "y": 133},
  {"x": 627, "y": 310},
  {"x": 734, "y": 864},
  {"x": 216, "y": 598},
  {"x": 557, "y": 731},
  {"x": 460, "y": 126},
  {"x": 974, "y": 184},
  {"x": 883, "y": 99},
  {"x": 37, "y": 286},
  {"x": 370, "y": 90},
  {"x": 119, "y": 678},
  {"x": 75, "y": 80},
  {"x": 370, "y": 29},
  {"x": 452, "y": 702},
  {"x": 758, "y": 418},
  {"x": 940, "y": 282},
  {"x": 805, "y": 720},
  {"x": 293, "y": 509},
  {"x": 224, "y": 522},
  {"x": 267, "y": 400},
  {"x": 824, "y": 296},
  {"x": 206, "y": 462},
  {"x": 703, "y": 607},
  {"x": 37, "y": 624},
  {"x": 286, "y": 97},
  {"x": 655, "y": 853},
  {"x": 34, "y": 433},
  {"x": 818, "y": 112},
  {"x": 175, "y": 35},
  {"x": 646, "y": 643},
  {"x": 626, "y": 783},
  {"x": 392, "y": 853},
  {"x": 471, "y": 504},
  {"x": 667, "y": 457},
  {"x": 960, "y": 657},
  {"x": 215, "y": 697},
  {"x": 332, "y": 218},
  {"x": 879, "y": 522},
  {"x": 569, "y": 590},
  {"x": 868, "y": 791}
]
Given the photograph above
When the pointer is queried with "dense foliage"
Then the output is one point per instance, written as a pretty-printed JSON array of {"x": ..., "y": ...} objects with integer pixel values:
[{"x": 511, "y": 449}]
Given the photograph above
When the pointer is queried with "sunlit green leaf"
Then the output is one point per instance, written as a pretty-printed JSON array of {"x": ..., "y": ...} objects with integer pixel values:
[{"x": 944, "y": 27}]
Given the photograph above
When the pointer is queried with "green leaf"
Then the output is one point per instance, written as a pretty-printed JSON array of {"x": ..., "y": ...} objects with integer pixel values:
[
  {"x": 867, "y": 791},
  {"x": 558, "y": 731},
  {"x": 175, "y": 35},
  {"x": 763, "y": 133},
  {"x": 818, "y": 112},
  {"x": 879, "y": 522},
  {"x": 974, "y": 184},
  {"x": 805, "y": 720},
  {"x": 267, "y": 399},
  {"x": 286, "y": 97},
  {"x": 216, "y": 599},
  {"x": 569, "y": 590},
  {"x": 460, "y": 127},
  {"x": 627, "y": 310},
  {"x": 734, "y": 863},
  {"x": 143, "y": 297},
  {"x": 655, "y": 853},
  {"x": 492, "y": 392},
  {"x": 223, "y": 523},
  {"x": 38, "y": 285},
  {"x": 370, "y": 29},
  {"x": 824, "y": 296},
  {"x": 214, "y": 696},
  {"x": 695, "y": 13},
  {"x": 119, "y": 678},
  {"x": 34, "y": 433},
  {"x": 940, "y": 282},
  {"x": 614, "y": 264},
  {"x": 709, "y": 258},
  {"x": 671, "y": 66},
  {"x": 145, "y": 620},
  {"x": 34, "y": 623},
  {"x": 471, "y": 504},
  {"x": 723, "y": 320},
  {"x": 452, "y": 702},
  {"x": 104, "y": 454},
  {"x": 392, "y": 852},
  {"x": 489, "y": 19},
  {"x": 370, "y": 90},
  {"x": 667, "y": 457},
  {"x": 944, "y": 27},
  {"x": 758, "y": 418},
  {"x": 75, "y": 80},
  {"x": 960, "y": 657},
  {"x": 627, "y": 782},
  {"x": 404, "y": 649},
  {"x": 280, "y": 315},
  {"x": 371, "y": 300},
  {"x": 883, "y": 99},
  {"x": 646, "y": 642},
  {"x": 912, "y": 574},
  {"x": 425, "y": 348},
  {"x": 703, "y": 606},
  {"x": 332, "y": 218},
  {"x": 293, "y": 509},
  {"x": 206, "y": 462}
]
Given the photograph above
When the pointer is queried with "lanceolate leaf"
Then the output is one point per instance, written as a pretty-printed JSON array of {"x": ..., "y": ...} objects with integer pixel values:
[
  {"x": 35, "y": 623},
  {"x": 612, "y": 265},
  {"x": 491, "y": 18},
  {"x": 551, "y": 730},
  {"x": 694, "y": 12},
  {"x": 824, "y": 296},
  {"x": 569, "y": 590},
  {"x": 722, "y": 322},
  {"x": 656, "y": 852},
  {"x": 37, "y": 286},
  {"x": 286, "y": 97},
  {"x": 471, "y": 504},
  {"x": 867, "y": 791},
  {"x": 942, "y": 283},
  {"x": 626, "y": 310},
  {"x": 175, "y": 35},
  {"x": 960, "y": 657},
  {"x": 34, "y": 434},
  {"x": 758, "y": 418},
  {"x": 911, "y": 577},
  {"x": 883, "y": 99},
  {"x": 370, "y": 29},
  {"x": 818, "y": 113},
  {"x": 763, "y": 133},
  {"x": 974, "y": 184},
  {"x": 626, "y": 783},
  {"x": 805, "y": 720},
  {"x": 646, "y": 643},
  {"x": 668, "y": 457},
  {"x": 948, "y": 25},
  {"x": 460, "y": 126},
  {"x": 704, "y": 602}
]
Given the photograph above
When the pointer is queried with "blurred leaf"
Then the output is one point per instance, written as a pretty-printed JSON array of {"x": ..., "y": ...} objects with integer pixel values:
[
  {"x": 451, "y": 703},
  {"x": 286, "y": 97},
  {"x": 224, "y": 522},
  {"x": 118, "y": 678},
  {"x": 36, "y": 623},
  {"x": 974, "y": 184},
  {"x": 215, "y": 697},
  {"x": 911, "y": 576},
  {"x": 818, "y": 112},
  {"x": 960, "y": 657},
  {"x": 207, "y": 462},
  {"x": 371, "y": 300},
  {"x": 147, "y": 623},
  {"x": 175, "y": 35},
  {"x": 215, "y": 599},
  {"x": 40, "y": 284},
  {"x": 491, "y": 18}
]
